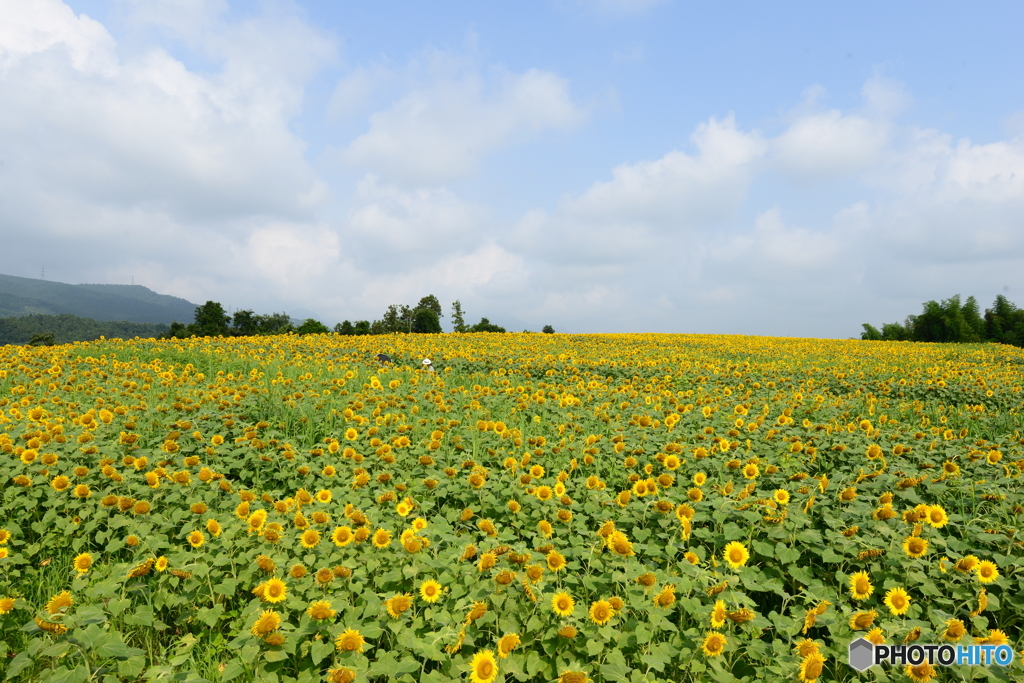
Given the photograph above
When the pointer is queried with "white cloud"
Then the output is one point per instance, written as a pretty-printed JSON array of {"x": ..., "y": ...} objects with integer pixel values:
[
  {"x": 353, "y": 92},
  {"x": 441, "y": 130},
  {"x": 647, "y": 202},
  {"x": 830, "y": 144},
  {"x": 288, "y": 254},
  {"x": 186, "y": 19},
  {"x": 423, "y": 222},
  {"x": 31, "y": 27},
  {"x": 126, "y": 165}
]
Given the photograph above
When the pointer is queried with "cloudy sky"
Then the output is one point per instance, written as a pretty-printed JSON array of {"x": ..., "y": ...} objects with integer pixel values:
[{"x": 791, "y": 169}]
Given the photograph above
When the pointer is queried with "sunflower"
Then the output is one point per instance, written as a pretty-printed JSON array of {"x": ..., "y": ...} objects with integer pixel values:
[
  {"x": 646, "y": 579},
  {"x": 987, "y": 571},
  {"x": 995, "y": 637},
  {"x": 620, "y": 544},
  {"x": 381, "y": 538},
  {"x": 966, "y": 564},
  {"x": 862, "y": 621},
  {"x": 955, "y": 630},
  {"x": 751, "y": 471},
  {"x": 59, "y": 602},
  {"x": 5, "y": 536},
  {"x": 568, "y": 632},
  {"x": 810, "y": 667},
  {"x": 736, "y": 554},
  {"x": 667, "y": 596},
  {"x": 341, "y": 536},
  {"x": 274, "y": 590},
  {"x": 920, "y": 673},
  {"x": 478, "y": 610},
  {"x": 213, "y": 526},
  {"x": 341, "y": 675},
  {"x": 601, "y": 612},
  {"x": 806, "y": 646},
  {"x": 161, "y": 564},
  {"x": 860, "y": 586},
  {"x": 196, "y": 538},
  {"x": 398, "y": 604},
  {"x": 487, "y": 561},
  {"x": 351, "y": 434},
  {"x": 898, "y": 601},
  {"x": 483, "y": 668},
  {"x": 507, "y": 643},
  {"x": 268, "y": 622},
  {"x": 430, "y": 590},
  {"x": 718, "y": 614},
  {"x": 562, "y": 604},
  {"x": 781, "y": 496},
  {"x": 60, "y": 483},
  {"x": 350, "y": 641},
  {"x": 310, "y": 538},
  {"x": 875, "y": 636},
  {"x": 937, "y": 516},
  {"x": 319, "y": 610},
  {"x": 573, "y": 677},
  {"x": 556, "y": 561},
  {"x": 6, "y": 605},
  {"x": 915, "y": 546},
  {"x": 82, "y": 563},
  {"x": 714, "y": 644}
]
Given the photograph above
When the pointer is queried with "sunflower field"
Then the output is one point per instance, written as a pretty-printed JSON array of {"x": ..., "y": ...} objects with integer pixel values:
[{"x": 563, "y": 508}]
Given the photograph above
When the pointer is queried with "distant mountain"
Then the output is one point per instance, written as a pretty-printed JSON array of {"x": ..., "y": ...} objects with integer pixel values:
[{"x": 132, "y": 303}]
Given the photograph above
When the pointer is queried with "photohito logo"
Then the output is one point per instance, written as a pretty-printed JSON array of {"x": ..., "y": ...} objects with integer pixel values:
[{"x": 864, "y": 654}]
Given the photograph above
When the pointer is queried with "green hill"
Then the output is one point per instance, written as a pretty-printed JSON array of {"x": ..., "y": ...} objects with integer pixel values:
[{"x": 21, "y": 296}]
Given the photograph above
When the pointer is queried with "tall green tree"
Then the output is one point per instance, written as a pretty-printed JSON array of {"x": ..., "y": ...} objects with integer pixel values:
[
  {"x": 274, "y": 323},
  {"x": 312, "y": 326},
  {"x": 430, "y": 303},
  {"x": 210, "y": 321},
  {"x": 458, "y": 317},
  {"x": 426, "y": 322},
  {"x": 245, "y": 323}
]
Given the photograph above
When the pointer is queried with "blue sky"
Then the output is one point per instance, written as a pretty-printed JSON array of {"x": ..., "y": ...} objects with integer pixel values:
[{"x": 787, "y": 169}]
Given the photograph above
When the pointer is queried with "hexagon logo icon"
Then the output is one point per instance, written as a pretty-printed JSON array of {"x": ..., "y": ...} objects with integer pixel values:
[{"x": 862, "y": 654}]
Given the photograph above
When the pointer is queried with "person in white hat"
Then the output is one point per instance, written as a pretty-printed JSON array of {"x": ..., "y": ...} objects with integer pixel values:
[{"x": 427, "y": 365}]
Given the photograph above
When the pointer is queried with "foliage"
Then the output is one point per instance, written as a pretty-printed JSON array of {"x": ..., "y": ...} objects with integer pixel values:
[
  {"x": 425, "y": 322},
  {"x": 67, "y": 328},
  {"x": 311, "y": 326},
  {"x": 211, "y": 321},
  {"x": 949, "y": 321},
  {"x": 548, "y": 329},
  {"x": 458, "y": 317},
  {"x": 632, "y": 507},
  {"x": 485, "y": 325}
]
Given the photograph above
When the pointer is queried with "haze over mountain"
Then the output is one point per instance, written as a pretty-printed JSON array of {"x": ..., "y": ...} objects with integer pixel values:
[{"x": 132, "y": 303}]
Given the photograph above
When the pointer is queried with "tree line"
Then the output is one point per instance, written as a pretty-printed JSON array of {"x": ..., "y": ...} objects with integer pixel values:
[
  {"x": 953, "y": 321},
  {"x": 211, "y": 320},
  {"x": 39, "y": 329}
]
